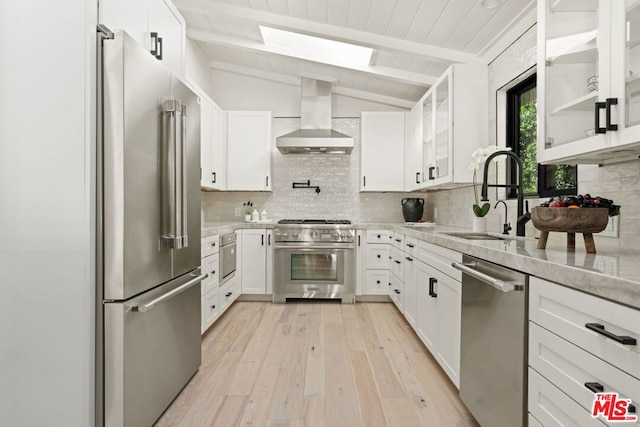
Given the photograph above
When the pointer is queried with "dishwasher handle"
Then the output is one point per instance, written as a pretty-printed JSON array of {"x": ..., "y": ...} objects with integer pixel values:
[{"x": 504, "y": 286}]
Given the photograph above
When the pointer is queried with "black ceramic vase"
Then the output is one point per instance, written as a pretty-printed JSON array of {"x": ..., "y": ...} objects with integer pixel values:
[{"x": 412, "y": 209}]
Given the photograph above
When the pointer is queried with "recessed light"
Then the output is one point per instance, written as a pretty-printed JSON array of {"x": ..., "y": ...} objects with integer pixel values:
[{"x": 490, "y": 4}]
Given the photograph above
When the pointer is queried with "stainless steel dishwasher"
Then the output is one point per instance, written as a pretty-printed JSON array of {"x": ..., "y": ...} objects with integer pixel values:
[{"x": 493, "y": 347}]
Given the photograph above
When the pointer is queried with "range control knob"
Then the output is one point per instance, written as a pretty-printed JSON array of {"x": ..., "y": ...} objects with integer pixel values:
[
  {"x": 336, "y": 236},
  {"x": 285, "y": 235},
  {"x": 278, "y": 235},
  {"x": 295, "y": 235},
  {"x": 314, "y": 234}
]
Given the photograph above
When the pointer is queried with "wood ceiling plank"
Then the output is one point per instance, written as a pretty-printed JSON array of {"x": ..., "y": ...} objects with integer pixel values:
[
  {"x": 472, "y": 23},
  {"x": 318, "y": 10},
  {"x": 259, "y": 4},
  {"x": 359, "y": 11},
  {"x": 338, "y": 12},
  {"x": 402, "y": 18},
  {"x": 425, "y": 18},
  {"x": 298, "y": 8},
  {"x": 278, "y": 6},
  {"x": 449, "y": 19},
  {"x": 380, "y": 16}
]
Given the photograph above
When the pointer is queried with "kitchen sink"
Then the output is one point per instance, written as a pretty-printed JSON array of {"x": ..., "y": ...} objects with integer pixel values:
[{"x": 473, "y": 236}]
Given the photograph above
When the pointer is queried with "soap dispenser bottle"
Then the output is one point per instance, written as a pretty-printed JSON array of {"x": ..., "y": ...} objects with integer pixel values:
[
  {"x": 255, "y": 216},
  {"x": 263, "y": 215}
]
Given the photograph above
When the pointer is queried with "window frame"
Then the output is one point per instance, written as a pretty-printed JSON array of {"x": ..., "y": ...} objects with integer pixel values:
[{"x": 512, "y": 137}]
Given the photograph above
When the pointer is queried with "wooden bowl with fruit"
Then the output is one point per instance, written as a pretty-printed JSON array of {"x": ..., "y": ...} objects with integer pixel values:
[{"x": 573, "y": 214}]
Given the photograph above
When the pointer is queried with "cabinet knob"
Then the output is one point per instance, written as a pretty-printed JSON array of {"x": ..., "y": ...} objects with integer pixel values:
[
  {"x": 378, "y": 282},
  {"x": 379, "y": 236},
  {"x": 213, "y": 306},
  {"x": 379, "y": 256}
]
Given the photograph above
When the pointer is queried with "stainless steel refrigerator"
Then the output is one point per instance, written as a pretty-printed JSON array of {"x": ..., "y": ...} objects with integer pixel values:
[{"x": 148, "y": 234}]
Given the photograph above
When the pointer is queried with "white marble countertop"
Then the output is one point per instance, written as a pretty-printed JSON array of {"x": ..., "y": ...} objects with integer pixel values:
[{"x": 610, "y": 273}]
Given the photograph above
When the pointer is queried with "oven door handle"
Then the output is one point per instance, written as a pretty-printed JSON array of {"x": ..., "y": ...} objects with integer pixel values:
[{"x": 315, "y": 247}]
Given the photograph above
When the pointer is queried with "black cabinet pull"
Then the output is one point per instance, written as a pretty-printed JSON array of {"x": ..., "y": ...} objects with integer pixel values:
[
  {"x": 379, "y": 236},
  {"x": 598, "y": 328},
  {"x": 379, "y": 255},
  {"x": 600, "y": 106},
  {"x": 213, "y": 272},
  {"x": 396, "y": 261},
  {"x": 364, "y": 181},
  {"x": 154, "y": 44},
  {"x": 595, "y": 387},
  {"x": 610, "y": 102},
  {"x": 431, "y": 171},
  {"x": 409, "y": 258},
  {"x": 417, "y": 177},
  {"x": 267, "y": 181},
  {"x": 213, "y": 306},
  {"x": 396, "y": 291},
  {"x": 398, "y": 240},
  {"x": 377, "y": 282},
  {"x": 262, "y": 239},
  {"x": 268, "y": 239},
  {"x": 358, "y": 240},
  {"x": 228, "y": 294},
  {"x": 432, "y": 282},
  {"x": 410, "y": 245},
  {"x": 215, "y": 177},
  {"x": 389, "y": 283}
]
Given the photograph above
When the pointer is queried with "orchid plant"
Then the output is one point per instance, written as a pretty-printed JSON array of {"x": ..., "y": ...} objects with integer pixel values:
[{"x": 478, "y": 158}]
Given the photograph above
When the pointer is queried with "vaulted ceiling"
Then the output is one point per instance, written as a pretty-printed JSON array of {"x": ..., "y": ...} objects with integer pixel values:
[{"x": 413, "y": 41}]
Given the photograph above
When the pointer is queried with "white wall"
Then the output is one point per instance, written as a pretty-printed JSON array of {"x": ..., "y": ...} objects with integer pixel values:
[
  {"x": 47, "y": 329},
  {"x": 233, "y": 91},
  {"x": 197, "y": 66}
]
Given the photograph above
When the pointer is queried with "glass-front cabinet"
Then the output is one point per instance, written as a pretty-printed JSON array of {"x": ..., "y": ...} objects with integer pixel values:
[{"x": 587, "y": 66}]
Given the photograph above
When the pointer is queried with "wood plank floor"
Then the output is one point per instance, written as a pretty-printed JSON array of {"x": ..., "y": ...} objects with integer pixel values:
[{"x": 316, "y": 364}]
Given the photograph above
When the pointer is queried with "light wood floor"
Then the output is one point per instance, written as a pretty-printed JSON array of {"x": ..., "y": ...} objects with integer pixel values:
[{"x": 316, "y": 364}]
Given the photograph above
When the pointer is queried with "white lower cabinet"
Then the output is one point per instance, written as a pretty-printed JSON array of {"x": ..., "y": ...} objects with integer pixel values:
[
  {"x": 396, "y": 291},
  {"x": 209, "y": 306},
  {"x": 256, "y": 254},
  {"x": 376, "y": 282},
  {"x": 439, "y": 303},
  {"x": 376, "y": 253},
  {"x": 579, "y": 344},
  {"x": 410, "y": 290}
]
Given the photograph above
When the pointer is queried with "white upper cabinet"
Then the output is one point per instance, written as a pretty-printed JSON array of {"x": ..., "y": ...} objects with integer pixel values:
[
  {"x": 588, "y": 78},
  {"x": 413, "y": 149},
  {"x": 249, "y": 150},
  {"x": 382, "y": 151},
  {"x": 213, "y": 144},
  {"x": 455, "y": 123},
  {"x": 156, "y": 24}
]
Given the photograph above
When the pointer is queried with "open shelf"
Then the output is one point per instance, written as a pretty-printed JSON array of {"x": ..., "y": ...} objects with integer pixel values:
[
  {"x": 583, "y": 54},
  {"x": 582, "y": 104}
]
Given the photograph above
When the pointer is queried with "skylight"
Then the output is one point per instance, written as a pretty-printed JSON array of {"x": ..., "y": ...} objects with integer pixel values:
[{"x": 315, "y": 48}]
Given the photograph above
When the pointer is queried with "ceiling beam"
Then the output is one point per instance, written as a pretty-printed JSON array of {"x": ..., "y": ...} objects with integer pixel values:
[
  {"x": 295, "y": 81},
  {"x": 379, "y": 71},
  {"x": 312, "y": 28}
]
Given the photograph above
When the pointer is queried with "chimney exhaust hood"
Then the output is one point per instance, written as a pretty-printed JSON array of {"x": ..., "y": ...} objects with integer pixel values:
[{"x": 315, "y": 135}]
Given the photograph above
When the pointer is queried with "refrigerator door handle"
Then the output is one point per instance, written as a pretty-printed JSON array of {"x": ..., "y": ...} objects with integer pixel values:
[
  {"x": 174, "y": 185},
  {"x": 151, "y": 304},
  {"x": 183, "y": 167}
]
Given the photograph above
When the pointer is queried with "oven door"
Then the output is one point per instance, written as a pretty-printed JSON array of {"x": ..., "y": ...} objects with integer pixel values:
[
  {"x": 227, "y": 262},
  {"x": 314, "y": 272}
]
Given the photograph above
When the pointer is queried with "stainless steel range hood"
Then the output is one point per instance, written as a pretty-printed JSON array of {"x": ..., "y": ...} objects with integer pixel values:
[{"x": 315, "y": 135}]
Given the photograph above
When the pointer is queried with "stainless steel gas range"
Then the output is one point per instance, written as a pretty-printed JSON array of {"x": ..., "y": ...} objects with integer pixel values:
[{"x": 314, "y": 259}]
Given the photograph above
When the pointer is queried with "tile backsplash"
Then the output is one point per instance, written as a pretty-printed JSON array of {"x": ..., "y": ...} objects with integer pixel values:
[{"x": 337, "y": 175}]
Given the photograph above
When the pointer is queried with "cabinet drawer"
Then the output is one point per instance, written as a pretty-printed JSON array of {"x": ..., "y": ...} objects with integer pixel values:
[
  {"x": 569, "y": 367},
  {"x": 439, "y": 258},
  {"x": 376, "y": 282},
  {"x": 396, "y": 292},
  {"x": 411, "y": 246},
  {"x": 377, "y": 256},
  {"x": 398, "y": 240},
  {"x": 397, "y": 263},
  {"x": 210, "y": 245},
  {"x": 379, "y": 236},
  {"x": 210, "y": 266},
  {"x": 566, "y": 311},
  {"x": 551, "y": 407},
  {"x": 212, "y": 307}
]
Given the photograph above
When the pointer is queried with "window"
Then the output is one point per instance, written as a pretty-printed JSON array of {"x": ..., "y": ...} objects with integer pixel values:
[{"x": 539, "y": 180}]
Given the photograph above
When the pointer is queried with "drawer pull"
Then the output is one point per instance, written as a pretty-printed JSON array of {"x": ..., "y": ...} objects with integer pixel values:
[
  {"x": 379, "y": 236},
  {"x": 378, "y": 282},
  {"x": 410, "y": 245},
  {"x": 396, "y": 291},
  {"x": 396, "y": 261},
  {"x": 595, "y": 387},
  {"x": 597, "y": 327},
  {"x": 398, "y": 240},
  {"x": 432, "y": 292},
  {"x": 378, "y": 256},
  {"x": 409, "y": 258},
  {"x": 213, "y": 306},
  {"x": 228, "y": 294}
]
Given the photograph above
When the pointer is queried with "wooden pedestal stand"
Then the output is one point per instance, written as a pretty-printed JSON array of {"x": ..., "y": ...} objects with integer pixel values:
[
  {"x": 589, "y": 243},
  {"x": 571, "y": 221}
]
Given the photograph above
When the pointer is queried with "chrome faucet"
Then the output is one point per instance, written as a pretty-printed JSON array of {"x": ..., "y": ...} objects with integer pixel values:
[
  {"x": 506, "y": 226},
  {"x": 522, "y": 220}
]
